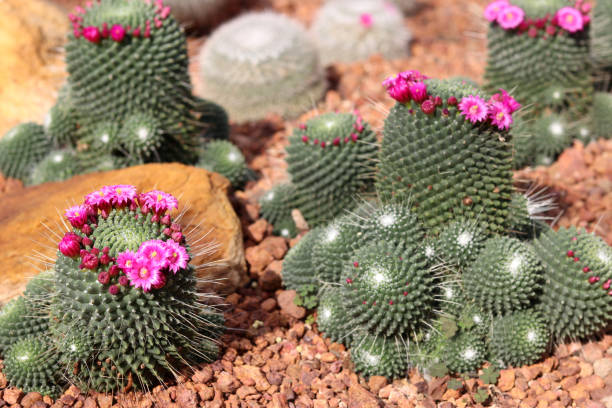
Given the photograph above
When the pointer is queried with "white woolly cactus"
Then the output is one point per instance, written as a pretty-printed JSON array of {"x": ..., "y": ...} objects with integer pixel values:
[
  {"x": 198, "y": 13},
  {"x": 261, "y": 63},
  {"x": 352, "y": 30}
]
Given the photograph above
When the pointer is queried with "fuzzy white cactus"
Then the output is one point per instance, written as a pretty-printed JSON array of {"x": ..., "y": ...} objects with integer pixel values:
[
  {"x": 261, "y": 63},
  {"x": 353, "y": 30}
]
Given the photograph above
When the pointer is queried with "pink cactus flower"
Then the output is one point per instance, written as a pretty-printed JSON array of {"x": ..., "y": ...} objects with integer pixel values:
[
  {"x": 77, "y": 215},
  {"x": 412, "y": 75},
  {"x": 474, "y": 108},
  {"x": 122, "y": 194},
  {"x": 89, "y": 261},
  {"x": 570, "y": 19},
  {"x": 494, "y": 8},
  {"x": 158, "y": 201},
  {"x": 155, "y": 251},
  {"x": 177, "y": 256},
  {"x": 500, "y": 116},
  {"x": 100, "y": 199},
  {"x": 92, "y": 34},
  {"x": 508, "y": 101},
  {"x": 117, "y": 32},
  {"x": 165, "y": 12},
  {"x": 511, "y": 17},
  {"x": 397, "y": 88},
  {"x": 69, "y": 245},
  {"x": 418, "y": 91},
  {"x": 126, "y": 260},
  {"x": 144, "y": 275},
  {"x": 366, "y": 20}
]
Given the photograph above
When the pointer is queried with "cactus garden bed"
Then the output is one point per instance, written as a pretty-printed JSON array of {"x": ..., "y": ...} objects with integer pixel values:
[{"x": 446, "y": 226}]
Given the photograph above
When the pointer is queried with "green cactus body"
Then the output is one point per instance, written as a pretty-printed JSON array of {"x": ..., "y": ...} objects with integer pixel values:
[
  {"x": 519, "y": 338},
  {"x": 460, "y": 242},
  {"x": 58, "y": 165},
  {"x": 395, "y": 223},
  {"x": 576, "y": 295},
  {"x": 61, "y": 122},
  {"x": 523, "y": 142},
  {"x": 32, "y": 364},
  {"x": 601, "y": 116},
  {"x": 389, "y": 291},
  {"x": 528, "y": 213},
  {"x": 21, "y": 149},
  {"x": 119, "y": 75},
  {"x": 260, "y": 63},
  {"x": 353, "y": 30},
  {"x": 443, "y": 164},
  {"x": 379, "y": 355},
  {"x": 329, "y": 159},
  {"x": 222, "y": 157},
  {"x": 298, "y": 269},
  {"x": 554, "y": 134},
  {"x": 532, "y": 65},
  {"x": 505, "y": 277},
  {"x": 601, "y": 35},
  {"x": 14, "y": 327},
  {"x": 475, "y": 320},
  {"x": 464, "y": 353},
  {"x": 276, "y": 206},
  {"x": 331, "y": 316},
  {"x": 450, "y": 296}
]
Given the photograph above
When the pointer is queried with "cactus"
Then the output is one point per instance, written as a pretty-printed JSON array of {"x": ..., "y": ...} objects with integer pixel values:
[
  {"x": 554, "y": 134},
  {"x": 197, "y": 14},
  {"x": 298, "y": 269},
  {"x": 61, "y": 122},
  {"x": 576, "y": 298},
  {"x": 21, "y": 149},
  {"x": 331, "y": 316},
  {"x": 475, "y": 320},
  {"x": 389, "y": 290},
  {"x": 528, "y": 212},
  {"x": 519, "y": 338},
  {"x": 139, "y": 82},
  {"x": 601, "y": 35},
  {"x": 532, "y": 59},
  {"x": 329, "y": 159},
  {"x": 276, "y": 206},
  {"x": 601, "y": 116},
  {"x": 32, "y": 364},
  {"x": 505, "y": 277},
  {"x": 261, "y": 63},
  {"x": 379, "y": 355},
  {"x": 222, "y": 157},
  {"x": 58, "y": 165},
  {"x": 460, "y": 242},
  {"x": 435, "y": 157},
  {"x": 353, "y": 30},
  {"x": 464, "y": 353}
]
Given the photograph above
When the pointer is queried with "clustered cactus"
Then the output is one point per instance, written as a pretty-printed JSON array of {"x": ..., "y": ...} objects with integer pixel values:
[
  {"x": 353, "y": 30},
  {"x": 223, "y": 157},
  {"x": 119, "y": 309},
  {"x": 555, "y": 56},
  {"x": 127, "y": 98},
  {"x": 450, "y": 266},
  {"x": 261, "y": 63}
]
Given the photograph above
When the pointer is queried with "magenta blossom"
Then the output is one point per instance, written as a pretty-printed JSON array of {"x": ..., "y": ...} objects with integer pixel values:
[
  {"x": 177, "y": 256},
  {"x": 92, "y": 33},
  {"x": 412, "y": 75},
  {"x": 99, "y": 199},
  {"x": 366, "y": 20},
  {"x": 397, "y": 88},
  {"x": 570, "y": 19},
  {"x": 511, "y": 104},
  {"x": 77, "y": 215},
  {"x": 158, "y": 201},
  {"x": 474, "y": 108},
  {"x": 155, "y": 251},
  {"x": 144, "y": 275},
  {"x": 117, "y": 32},
  {"x": 69, "y": 245},
  {"x": 126, "y": 260},
  {"x": 418, "y": 91},
  {"x": 122, "y": 194},
  {"x": 500, "y": 116},
  {"x": 511, "y": 17},
  {"x": 494, "y": 8}
]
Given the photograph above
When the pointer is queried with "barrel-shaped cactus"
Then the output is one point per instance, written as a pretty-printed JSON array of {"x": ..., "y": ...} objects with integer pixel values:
[
  {"x": 276, "y": 206},
  {"x": 21, "y": 149},
  {"x": 225, "y": 158}
]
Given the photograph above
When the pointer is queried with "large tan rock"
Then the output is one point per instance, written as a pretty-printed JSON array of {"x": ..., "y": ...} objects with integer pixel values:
[
  {"x": 30, "y": 221},
  {"x": 31, "y": 36}
]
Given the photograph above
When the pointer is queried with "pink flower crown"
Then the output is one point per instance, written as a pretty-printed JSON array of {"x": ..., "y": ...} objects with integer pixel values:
[
  {"x": 408, "y": 87},
  {"x": 116, "y": 32},
  {"x": 512, "y": 17},
  {"x": 150, "y": 266}
]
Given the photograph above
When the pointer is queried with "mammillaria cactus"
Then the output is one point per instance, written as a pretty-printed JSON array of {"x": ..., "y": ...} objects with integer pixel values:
[
  {"x": 298, "y": 269},
  {"x": 519, "y": 338},
  {"x": 124, "y": 308},
  {"x": 447, "y": 151},
  {"x": 260, "y": 63},
  {"x": 223, "y": 157},
  {"x": 601, "y": 117},
  {"x": 379, "y": 355},
  {"x": 464, "y": 352},
  {"x": 276, "y": 206},
  {"x": 56, "y": 166},
  {"x": 576, "y": 296},
  {"x": 329, "y": 159},
  {"x": 460, "y": 242},
  {"x": 61, "y": 122},
  {"x": 601, "y": 35},
  {"x": 528, "y": 212},
  {"x": 352, "y": 30},
  {"x": 21, "y": 148},
  {"x": 505, "y": 277},
  {"x": 331, "y": 315}
]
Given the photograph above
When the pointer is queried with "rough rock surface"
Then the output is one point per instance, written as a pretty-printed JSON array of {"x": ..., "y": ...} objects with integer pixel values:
[{"x": 202, "y": 196}]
